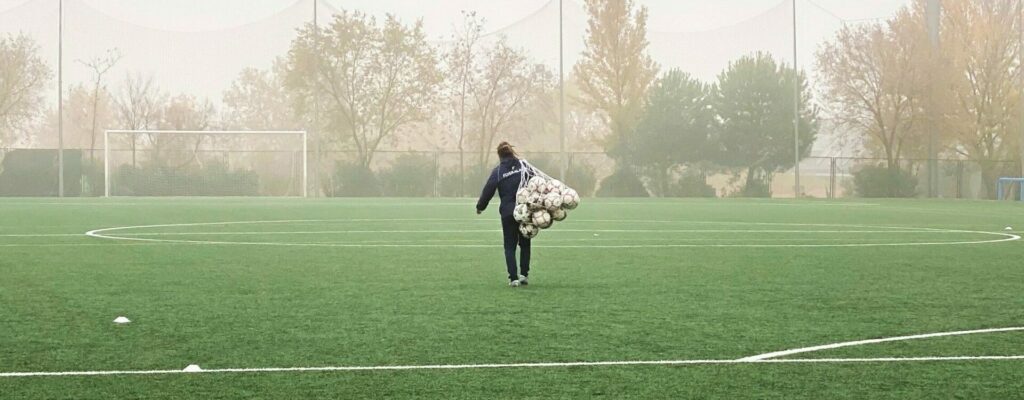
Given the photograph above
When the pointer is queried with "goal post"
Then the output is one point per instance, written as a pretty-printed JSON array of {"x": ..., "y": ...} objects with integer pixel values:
[{"x": 205, "y": 163}]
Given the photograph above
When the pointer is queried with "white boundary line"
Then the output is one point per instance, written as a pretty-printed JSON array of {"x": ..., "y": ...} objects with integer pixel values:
[
  {"x": 260, "y": 233},
  {"x": 512, "y": 365},
  {"x": 40, "y": 234},
  {"x": 784, "y": 353},
  {"x": 766, "y": 358},
  {"x": 104, "y": 233}
]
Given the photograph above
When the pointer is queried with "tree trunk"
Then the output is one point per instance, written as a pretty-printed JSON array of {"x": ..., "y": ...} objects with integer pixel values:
[{"x": 92, "y": 132}]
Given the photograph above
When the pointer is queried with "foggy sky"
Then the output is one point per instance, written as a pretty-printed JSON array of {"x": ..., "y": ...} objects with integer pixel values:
[{"x": 439, "y": 15}]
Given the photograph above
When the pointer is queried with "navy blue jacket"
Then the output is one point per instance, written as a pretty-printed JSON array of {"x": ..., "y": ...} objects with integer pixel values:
[{"x": 505, "y": 179}]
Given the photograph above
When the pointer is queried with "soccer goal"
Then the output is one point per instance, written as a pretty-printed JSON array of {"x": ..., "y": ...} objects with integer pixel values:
[
  {"x": 205, "y": 163},
  {"x": 1009, "y": 182}
]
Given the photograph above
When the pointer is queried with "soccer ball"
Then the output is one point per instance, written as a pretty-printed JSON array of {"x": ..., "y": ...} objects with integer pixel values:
[
  {"x": 522, "y": 196},
  {"x": 528, "y": 231},
  {"x": 541, "y": 218},
  {"x": 521, "y": 213},
  {"x": 557, "y": 185},
  {"x": 559, "y": 214},
  {"x": 553, "y": 188},
  {"x": 544, "y": 188},
  {"x": 552, "y": 201},
  {"x": 535, "y": 201},
  {"x": 534, "y": 184},
  {"x": 570, "y": 199}
]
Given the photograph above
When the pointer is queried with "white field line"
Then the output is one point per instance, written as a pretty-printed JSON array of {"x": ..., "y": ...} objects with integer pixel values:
[
  {"x": 41, "y": 234},
  {"x": 751, "y": 203},
  {"x": 227, "y": 233},
  {"x": 510, "y": 365},
  {"x": 78, "y": 244},
  {"x": 1004, "y": 238},
  {"x": 811, "y": 349},
  {"x": 105, "y": 234},
  {"x": 560, "y": 240},
  {"x": 272, "y": 203}
]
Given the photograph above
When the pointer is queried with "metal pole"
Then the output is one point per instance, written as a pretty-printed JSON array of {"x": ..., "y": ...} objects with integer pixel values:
[
  {"x": 1020, "y": 86},
  {"x": 796, "y": 113},
  {"x": 60, "y": 98},
  {"x": 106, "y": 163},
  {"x": 933, "y": 14},
  {"x": 316, "y": 107},
  {"x": 305, "y": 166},
  {"x": 561, "y": 93}
]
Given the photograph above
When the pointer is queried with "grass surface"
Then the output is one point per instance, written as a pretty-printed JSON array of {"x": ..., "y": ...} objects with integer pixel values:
[{"x": 414, "y": 282}]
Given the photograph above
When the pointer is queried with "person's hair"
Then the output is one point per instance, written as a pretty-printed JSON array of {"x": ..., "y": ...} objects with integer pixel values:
[{"x": 505, "y": 150}]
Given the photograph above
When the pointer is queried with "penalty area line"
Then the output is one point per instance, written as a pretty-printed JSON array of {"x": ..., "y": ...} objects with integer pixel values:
[{"x": 516, "y": 365}]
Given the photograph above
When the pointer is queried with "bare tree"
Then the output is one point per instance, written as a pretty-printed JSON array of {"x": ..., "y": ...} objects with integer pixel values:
[
  {"x": 23, "y": 77},
  {"x": 99, "y": 67},
  {"x": 460, "y": 64},
  {"x": 139, "y": 107},
  {"x": 506, "y": 82}
]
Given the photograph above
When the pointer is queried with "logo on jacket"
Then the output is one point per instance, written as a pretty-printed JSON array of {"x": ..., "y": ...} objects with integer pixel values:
[{"x": 514, "y": 171}]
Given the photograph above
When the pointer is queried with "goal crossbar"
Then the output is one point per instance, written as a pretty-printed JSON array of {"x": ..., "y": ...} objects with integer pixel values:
[{"x": 106, "y": 149}]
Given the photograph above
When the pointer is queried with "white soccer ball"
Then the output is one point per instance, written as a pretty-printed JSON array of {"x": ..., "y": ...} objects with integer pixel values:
[
  {"x": 553, "y": 188},
  {"x": 534, "y": 183},
  {"x": 553, "y": 201},
  {"x": 521, "y": 213},
  {"x": 528, "y": 231},
  {"x": 570, "y": 199},
  {"x": 557, "y": 185},
  {"x": 559, "y": 214},
  {"x": 535, "y": 201},
  {"x": 541, "y": 218},
  {"x": 522, "y": 196}
]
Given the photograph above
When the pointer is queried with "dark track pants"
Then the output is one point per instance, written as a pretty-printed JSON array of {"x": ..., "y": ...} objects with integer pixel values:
[{"x": 513, "y": 238}]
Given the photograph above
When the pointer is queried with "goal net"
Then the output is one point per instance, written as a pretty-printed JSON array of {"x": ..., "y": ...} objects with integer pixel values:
[{"x": 205, "y": 163}]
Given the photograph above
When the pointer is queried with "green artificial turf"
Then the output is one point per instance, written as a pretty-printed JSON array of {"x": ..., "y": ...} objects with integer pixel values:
[{"x": 377, "y": 282}]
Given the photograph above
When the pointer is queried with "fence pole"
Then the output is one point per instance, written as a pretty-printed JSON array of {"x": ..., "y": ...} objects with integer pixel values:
[
  {"x": 960, "y": 179},
  {"x": 60, "y": 98},
  {"x": 832, "y": 178},
  {"x": 796, "y": 113}
]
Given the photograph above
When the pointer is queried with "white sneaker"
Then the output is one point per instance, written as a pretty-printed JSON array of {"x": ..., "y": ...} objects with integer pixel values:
[
  {"x": 523, "y": 280},
  {"x": 514, "y": 283}
]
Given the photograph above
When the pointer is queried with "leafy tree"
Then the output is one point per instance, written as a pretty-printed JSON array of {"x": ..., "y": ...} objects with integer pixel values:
[
  {"x": 675, "y": 130},
  {"x": 23, "y": 77},
  {"x": 615, "y": 69},
  {"x": 86, "y": 111},
  {"x": 981, "y": 39},
  {"x": 754, "y": 105},
  {"x": 875, "y": 85},
  {"x": 258, "y": 100},
  {"x": 181, "y": 113},
  {"x": 376, "y": 78}
]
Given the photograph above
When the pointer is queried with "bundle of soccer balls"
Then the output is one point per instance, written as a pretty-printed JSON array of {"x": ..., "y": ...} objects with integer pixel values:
[{"x": 541, "y": 202}]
